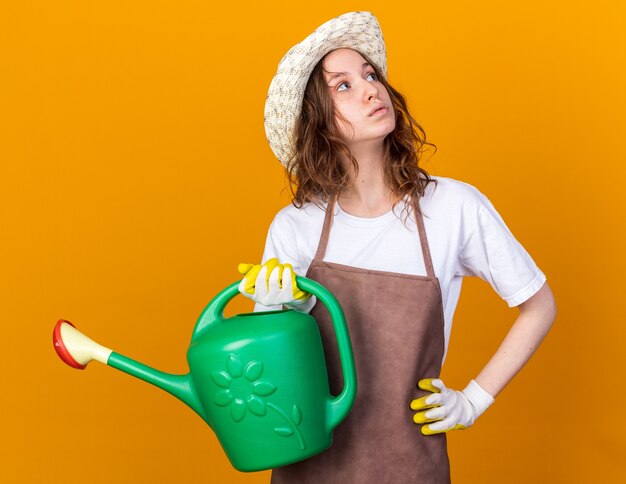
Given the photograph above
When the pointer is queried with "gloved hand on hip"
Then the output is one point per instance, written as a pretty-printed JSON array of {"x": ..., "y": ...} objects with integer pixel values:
[
  {"x": 274, "y": 284},
  {"x": 449, "y": 409}
]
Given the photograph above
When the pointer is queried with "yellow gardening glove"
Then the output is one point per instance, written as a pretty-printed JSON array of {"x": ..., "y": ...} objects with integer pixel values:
[
  {"x": 449, "y": 409},
  {"x": 273, "y": 284}
]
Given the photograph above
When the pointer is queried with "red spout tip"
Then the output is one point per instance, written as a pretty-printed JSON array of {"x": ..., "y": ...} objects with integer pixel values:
[{"x": 60, "y": 348}]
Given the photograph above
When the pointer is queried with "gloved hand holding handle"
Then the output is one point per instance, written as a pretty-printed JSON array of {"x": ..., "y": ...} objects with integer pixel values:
[
  {"x": 449, "y": 409},
  {"x": 274, "y": 284}
]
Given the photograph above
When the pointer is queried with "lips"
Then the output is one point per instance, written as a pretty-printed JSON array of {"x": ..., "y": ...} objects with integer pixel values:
[{"x": 380, "y": 109}]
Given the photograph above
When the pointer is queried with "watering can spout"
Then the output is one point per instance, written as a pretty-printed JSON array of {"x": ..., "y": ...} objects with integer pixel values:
[{"x": 77, "y": 350}]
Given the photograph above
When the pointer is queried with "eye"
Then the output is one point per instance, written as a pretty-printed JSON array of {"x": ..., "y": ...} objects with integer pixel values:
[
  {"x": 342, "y": 86},
  {"x": 371, "y": 76}
]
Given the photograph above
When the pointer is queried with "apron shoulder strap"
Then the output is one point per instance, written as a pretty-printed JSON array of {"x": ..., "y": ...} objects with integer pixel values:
[
  {"x": 419, "y": 219},
  {"x": 328, "y": 220}
]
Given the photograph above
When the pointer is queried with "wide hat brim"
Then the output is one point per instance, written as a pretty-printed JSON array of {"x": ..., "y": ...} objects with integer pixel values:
[{"x": 355, "y": 30}]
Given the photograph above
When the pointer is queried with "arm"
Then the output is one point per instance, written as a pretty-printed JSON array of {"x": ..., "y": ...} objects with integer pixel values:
[
  {"x": 281, "y": 252},
  {"x": 491, "y": 252},
  {"x": 448, "y": 409},
  {"x": 535, "y": 318}
]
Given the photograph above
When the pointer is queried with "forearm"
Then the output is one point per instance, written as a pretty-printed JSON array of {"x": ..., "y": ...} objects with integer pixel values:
[
  {"x": 447, "y": 409},
  {"x": 533, "y": 323}
]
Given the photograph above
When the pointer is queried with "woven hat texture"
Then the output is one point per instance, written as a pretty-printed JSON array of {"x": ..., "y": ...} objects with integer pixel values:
[{"x": 355, "y": 30}]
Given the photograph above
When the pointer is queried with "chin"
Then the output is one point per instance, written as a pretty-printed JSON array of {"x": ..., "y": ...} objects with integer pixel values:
[{"x": 390, "y": 130}]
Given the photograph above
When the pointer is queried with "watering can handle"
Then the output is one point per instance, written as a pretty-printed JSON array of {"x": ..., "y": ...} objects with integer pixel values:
[{"x": 342, "y": 403}]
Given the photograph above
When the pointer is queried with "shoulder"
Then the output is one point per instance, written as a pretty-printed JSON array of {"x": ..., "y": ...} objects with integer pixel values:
[
  {"x": 453, "y": 195},
  {"x": 451, "y": 188},
  {"x": 292, "y": 219}
]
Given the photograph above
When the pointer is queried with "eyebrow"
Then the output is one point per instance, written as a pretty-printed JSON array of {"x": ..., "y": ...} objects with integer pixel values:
[{"x": 335, "y": 75}]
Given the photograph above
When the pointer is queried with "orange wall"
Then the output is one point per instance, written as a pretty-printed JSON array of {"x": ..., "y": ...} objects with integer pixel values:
[{"x": 135, "y": 175}]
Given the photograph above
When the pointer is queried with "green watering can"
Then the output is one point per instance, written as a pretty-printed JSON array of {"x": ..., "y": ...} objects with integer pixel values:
[{"x": 258, "y": 379}]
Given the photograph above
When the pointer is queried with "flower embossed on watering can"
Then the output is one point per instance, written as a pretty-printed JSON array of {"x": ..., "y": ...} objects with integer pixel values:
[
  {"x": 258, "y": 379},
  {"x": 253, "y": 398}
]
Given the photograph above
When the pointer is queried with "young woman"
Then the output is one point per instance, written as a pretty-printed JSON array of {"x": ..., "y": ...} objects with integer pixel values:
[{"x": 392, "y": 244}]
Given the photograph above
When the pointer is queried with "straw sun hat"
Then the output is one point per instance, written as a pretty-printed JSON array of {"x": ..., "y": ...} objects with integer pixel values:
[{"x": 355, "y": 30}]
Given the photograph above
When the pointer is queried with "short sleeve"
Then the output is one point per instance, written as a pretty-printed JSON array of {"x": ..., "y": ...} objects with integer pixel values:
[{"x": 492, "y": 253}]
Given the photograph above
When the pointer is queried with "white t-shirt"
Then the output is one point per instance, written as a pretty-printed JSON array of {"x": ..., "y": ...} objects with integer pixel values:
[{"x": 466, "y": 236}]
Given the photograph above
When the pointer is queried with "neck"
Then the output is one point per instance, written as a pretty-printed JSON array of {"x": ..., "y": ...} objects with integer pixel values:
[{"x": 367, "y": 195}]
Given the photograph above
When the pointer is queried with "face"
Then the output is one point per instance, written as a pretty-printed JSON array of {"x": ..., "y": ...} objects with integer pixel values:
[{"x": 359, "y": 97}]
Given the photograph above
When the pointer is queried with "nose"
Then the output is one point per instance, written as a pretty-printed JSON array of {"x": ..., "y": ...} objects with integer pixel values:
[{"x": 371, "y": 91}]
